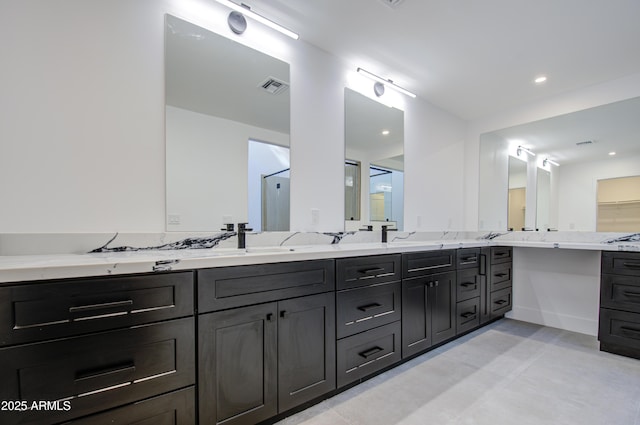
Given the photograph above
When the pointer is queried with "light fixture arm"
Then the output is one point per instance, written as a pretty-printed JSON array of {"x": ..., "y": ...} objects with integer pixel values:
[
  {"x": 246, "y": 10},
  {"x": 389, "y": 83}
]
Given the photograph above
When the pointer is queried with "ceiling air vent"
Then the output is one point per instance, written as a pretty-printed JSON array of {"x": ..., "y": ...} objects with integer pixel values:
[
  {"x": 586, "y": 142},
  {"x": 274, "y": 86},
  {"x": 392, "y": 3}
]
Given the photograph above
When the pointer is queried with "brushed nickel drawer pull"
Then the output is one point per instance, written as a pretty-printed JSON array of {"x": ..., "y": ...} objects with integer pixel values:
[
  {"x": 372, "y": 271},
  {"x": 370, "y": 352},
  {"x": 83, "y": 376},
  {"x": 93, "y": 307},
  {"x": 369, "y": 306}
]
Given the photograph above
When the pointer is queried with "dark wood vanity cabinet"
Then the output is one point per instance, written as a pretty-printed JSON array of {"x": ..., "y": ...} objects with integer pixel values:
[
  {"x": 259, "y": 360},
  {"x": 496, "y": 268},
  {"x": 99, "y": 347},
  {"x": 468, "y": 288},
  {"x": 368, "y": 313},
  {"x": 619, "y": 324},
  {"x": 428, "y": 299}
]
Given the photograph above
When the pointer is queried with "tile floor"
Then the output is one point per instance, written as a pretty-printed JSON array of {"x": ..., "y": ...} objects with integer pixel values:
[{"x": 510, "y": 373}]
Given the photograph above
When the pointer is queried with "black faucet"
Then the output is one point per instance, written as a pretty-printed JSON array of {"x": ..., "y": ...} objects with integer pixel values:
[
  {"x": 242, "y": 235},
  {"x": 385, "y": 229},
  {"x": 367, "y": 228},
  {"x": 228, "y": 228}
]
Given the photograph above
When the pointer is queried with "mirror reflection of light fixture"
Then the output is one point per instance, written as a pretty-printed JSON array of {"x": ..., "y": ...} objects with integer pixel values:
[
  {"x": 378, "y": 89},
  {"x": 238, "y": 23},
  {"x": 547, "y": 160},
  {"x": 525, "y": 150},
  {"x": 384, "y": 83}
]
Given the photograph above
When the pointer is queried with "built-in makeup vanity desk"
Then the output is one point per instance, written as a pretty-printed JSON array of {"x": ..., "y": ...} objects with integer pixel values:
[{"x": 237, "y": 337}]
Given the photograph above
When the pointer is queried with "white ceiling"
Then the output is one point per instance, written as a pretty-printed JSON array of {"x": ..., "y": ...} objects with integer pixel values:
[{"x": 470, "y": 57}]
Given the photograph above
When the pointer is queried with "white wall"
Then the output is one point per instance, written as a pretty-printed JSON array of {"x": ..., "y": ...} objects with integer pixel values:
[
  {"x": 82, "y": 121},
  {"x": 599, "y": 94}
]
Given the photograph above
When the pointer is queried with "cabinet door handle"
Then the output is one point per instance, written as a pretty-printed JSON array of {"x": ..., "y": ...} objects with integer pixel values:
[
  {"x": 284, "y": 314},
  {"x": 500, "y": 302},
  {"x": 94, "y": 307},
  {"x": 632, "y": 265},
  {"x": 468, "y": 315},
  {"x": 467, "y": 284},
  {"x": 630, "y": 331},
  {"x": 436, "y": 283},
  {"x": 500, "y": 274},
  {"x": 370, "y": 352},
  {"x": 369, "y": 306},
  {"x": 112, "y": 370},
  {"x": 269, "y": 317},
  {"x": 375, "y": 270},
  {"x": 483, "y": 265}
]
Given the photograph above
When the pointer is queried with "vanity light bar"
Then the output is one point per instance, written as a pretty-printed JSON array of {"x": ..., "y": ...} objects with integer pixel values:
[
  {"x": 388, "y": 83},
  {"x": 245, "y": 10},
  {"x": 525, "y": 150},
  {"x": 544, "y": 163}
]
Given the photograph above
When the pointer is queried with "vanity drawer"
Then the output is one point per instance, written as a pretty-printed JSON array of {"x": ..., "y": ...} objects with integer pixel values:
[
  {"x": 619, "y": 328},
  {"x": 620, "y": 292},
  {"x": 467, "y": 315},
  {"x": 227, "y": 287},
  {"x": 47, "y": 310},
  {"x": 625, "y": 263},
  {"x": 363, "y": 271},
  {"x": 417, "y": 264},
  {"x": 501, "y": 254},
  {"x": 100, "y": 371},
  {"x": 175, "y": 408},
  {"x": 500, "y": 276},
  {"x": 500, "y": 302},
  {"x": 468, "y": 258},
  {"x": 362, "y": 309},
  {"x": 365, "y": 353},
  {"x": 467, "y": 285}
]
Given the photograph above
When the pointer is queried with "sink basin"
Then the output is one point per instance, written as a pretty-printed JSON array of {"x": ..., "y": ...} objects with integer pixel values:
[{"x": 268, "y": 249}]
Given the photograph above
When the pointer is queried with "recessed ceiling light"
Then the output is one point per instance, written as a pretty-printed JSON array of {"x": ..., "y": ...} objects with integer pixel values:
[
  {"x": 611, "y": 153},
  {"x": 385, "y": 132},
  {"x": 541, "y": 79}
]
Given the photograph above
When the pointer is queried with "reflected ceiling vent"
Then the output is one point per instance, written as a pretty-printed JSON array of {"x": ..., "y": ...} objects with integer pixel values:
[
  {"x": 586, "y": 142},
  {"x": 392, "y": 3},
  {"x": 273, "y": 85}
]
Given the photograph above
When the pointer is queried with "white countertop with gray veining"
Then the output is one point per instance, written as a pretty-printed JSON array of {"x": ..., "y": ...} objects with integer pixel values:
[{"x": 17, "y": 268}]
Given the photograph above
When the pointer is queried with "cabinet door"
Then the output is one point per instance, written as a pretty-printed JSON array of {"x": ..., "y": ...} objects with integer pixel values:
[
  {"x": 306, "y": 349},
  {"x": 443, "y": 305},
  {"x": 238, "y": 365},
  {"x": 416, "y": 317}
]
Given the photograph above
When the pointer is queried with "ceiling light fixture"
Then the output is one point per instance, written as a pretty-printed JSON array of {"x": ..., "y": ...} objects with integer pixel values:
[
  {"x": 525, "y": 150},
  {"x": 547, "y": 160},
  {"x": 541, "y": 79},
  {"x": 381, "y": 80},
  {"x": 238, "y": 24}
]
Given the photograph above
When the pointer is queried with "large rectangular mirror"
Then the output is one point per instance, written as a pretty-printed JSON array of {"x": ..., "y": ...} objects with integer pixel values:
[
  {"x": 227, "y": 132},
  {"x": 574, "y": 152},
  {"x": 374, "y": 167}
]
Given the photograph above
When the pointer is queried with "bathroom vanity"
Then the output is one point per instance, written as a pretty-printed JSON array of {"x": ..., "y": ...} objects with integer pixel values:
[
  {"x": 243, "y": 338},
  {"x": 235, "y": 344}
]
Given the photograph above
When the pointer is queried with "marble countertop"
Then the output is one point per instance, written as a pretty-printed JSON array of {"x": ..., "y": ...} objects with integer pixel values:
[{"x": 16, "y": 268}]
